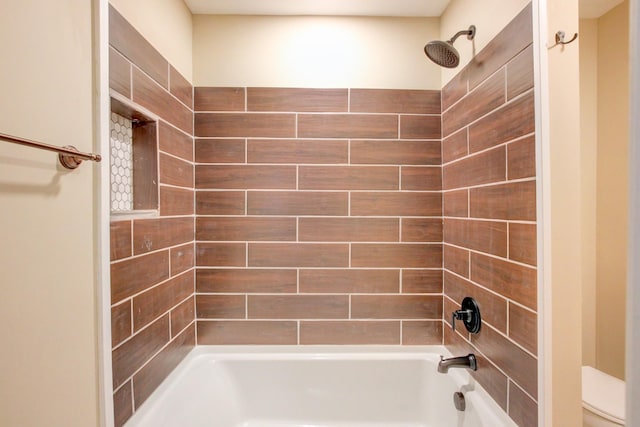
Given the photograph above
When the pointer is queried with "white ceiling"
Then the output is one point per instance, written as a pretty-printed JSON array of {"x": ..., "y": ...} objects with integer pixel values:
[
  {"x": 588, "y": 8},
  {"x": 319, "y": 7}
]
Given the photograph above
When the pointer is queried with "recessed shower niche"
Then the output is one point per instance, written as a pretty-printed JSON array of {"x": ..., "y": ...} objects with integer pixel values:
[{"x": 133, "y": 160}]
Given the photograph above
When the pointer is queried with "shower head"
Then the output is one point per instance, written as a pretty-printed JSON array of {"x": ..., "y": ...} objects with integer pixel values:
[{"x": 443, "y": 53}]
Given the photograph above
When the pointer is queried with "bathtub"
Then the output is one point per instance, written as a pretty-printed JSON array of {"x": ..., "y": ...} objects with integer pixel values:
[{"x": 338, "y": 386}]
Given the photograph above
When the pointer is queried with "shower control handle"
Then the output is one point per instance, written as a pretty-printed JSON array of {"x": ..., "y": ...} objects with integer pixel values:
[
  {"x": 460, "y": 315},
  {"x": 469, "y": 314}
]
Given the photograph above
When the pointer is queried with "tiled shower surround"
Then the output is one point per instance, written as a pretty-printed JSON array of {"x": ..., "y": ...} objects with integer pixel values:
[
  {"x": 318, "y": 216},
  {"x": 152, "y": 268},
  {"x": 331, "y": 216},
  {"x": 489, "y": 194}
]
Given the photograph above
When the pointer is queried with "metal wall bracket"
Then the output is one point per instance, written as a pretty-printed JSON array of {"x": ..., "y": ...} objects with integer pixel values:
[{"x": 560, "y": 35}]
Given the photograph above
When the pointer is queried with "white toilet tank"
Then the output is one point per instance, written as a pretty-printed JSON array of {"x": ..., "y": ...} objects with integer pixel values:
[{"x": 603, "y": 399}]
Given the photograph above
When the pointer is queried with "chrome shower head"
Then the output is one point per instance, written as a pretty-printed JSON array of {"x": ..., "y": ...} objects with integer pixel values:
[{"x": 443, "y": 53}]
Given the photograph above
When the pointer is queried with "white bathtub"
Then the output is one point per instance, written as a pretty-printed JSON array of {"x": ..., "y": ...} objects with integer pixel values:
[{"x": 339, "y": 386}]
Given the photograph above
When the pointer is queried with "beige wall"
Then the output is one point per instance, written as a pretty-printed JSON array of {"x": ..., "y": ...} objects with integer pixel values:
[
  {"x": 612, "y": 188},
  {"x": 561, "y": 186},
  {"x": 489, "y": 17},
  {"x": 321, "y": 52},
  {"x": 604, "y": 113},
  {"x": 48, "y": 361},
  {"x": 167, "y": 25},
  {"x": 589, "y": 146}
]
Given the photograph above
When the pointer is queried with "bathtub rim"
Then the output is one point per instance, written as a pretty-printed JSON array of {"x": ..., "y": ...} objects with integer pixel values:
[{"x": 321, "y": 351}]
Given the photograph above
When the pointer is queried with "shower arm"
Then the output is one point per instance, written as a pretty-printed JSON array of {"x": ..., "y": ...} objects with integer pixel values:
[{"x": 470, "y": 33}]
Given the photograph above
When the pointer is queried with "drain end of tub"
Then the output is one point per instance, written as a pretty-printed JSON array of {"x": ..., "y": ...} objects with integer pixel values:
[{"x": 458, "y": 401}]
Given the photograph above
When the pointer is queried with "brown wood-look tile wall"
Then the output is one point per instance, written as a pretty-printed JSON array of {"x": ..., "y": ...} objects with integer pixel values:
[
  {"x": 153, "y": 259},
  {"x": 319, "y": 216},
  {"x": 489, "y": 196}
]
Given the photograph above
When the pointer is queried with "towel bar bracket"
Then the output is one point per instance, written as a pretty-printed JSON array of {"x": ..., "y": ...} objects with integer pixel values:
[{"x": 69, "y": 161}]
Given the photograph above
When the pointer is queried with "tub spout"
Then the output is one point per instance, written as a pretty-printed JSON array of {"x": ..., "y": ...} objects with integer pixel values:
[{"x": 468, "y": 361}]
